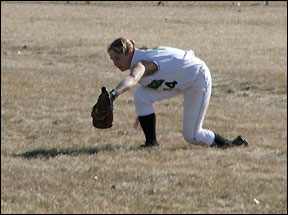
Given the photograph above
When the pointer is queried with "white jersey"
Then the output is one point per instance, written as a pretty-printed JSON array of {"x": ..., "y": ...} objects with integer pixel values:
[{"x": 176, "y": 68}]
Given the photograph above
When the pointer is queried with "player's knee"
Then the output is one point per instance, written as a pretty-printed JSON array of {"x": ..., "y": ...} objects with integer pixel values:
[
  {"x": 190, "y": 139},
  {"x": 200, "y": 137},
  {"x": 194, "y": 137}
]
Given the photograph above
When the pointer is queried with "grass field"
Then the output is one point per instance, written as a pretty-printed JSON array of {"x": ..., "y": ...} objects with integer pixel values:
[{"x": 53, "y": 64}]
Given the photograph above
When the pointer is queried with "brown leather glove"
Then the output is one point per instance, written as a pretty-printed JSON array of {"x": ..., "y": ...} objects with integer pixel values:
[{"x": 102, "y": 111}]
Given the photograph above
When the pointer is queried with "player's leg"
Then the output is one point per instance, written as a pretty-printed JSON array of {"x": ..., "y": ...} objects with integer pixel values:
[
  {"x": 143, "y": 99},
  {"x": 196, "y": 101},
  {"x": 148, "y": 125}
]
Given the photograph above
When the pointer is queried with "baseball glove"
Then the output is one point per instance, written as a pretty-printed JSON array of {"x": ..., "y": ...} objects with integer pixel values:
[{"x": 102, "y": 111}]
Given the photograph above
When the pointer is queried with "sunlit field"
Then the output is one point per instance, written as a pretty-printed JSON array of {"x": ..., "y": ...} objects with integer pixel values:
[{"x": 54, "y": 62}]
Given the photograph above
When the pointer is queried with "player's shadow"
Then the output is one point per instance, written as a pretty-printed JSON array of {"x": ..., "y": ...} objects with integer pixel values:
[{"x": 51, "y": 153}]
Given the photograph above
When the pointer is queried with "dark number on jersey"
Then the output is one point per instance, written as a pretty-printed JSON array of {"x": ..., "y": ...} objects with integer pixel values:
[
  {"x": 155, "y": 84},
  {"x": 171, "y": 85}
]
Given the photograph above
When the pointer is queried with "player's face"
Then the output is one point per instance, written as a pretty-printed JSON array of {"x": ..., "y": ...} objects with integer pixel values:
[{"x": 121, "y": 61}]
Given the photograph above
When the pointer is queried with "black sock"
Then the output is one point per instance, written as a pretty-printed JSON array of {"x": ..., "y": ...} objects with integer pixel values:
[
  {"x": 148, "y": 124},
  {"x": 221, "y": 141}
]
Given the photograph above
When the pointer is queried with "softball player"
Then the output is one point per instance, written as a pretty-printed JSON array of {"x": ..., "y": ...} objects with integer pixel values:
[{"x": 165, "y": 72}]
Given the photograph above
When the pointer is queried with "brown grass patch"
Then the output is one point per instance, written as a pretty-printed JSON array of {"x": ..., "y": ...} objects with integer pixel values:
[{"x": 53, "y": 64}]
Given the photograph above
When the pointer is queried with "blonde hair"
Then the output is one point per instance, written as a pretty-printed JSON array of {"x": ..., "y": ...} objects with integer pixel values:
[{"x": 122, "y": 46}]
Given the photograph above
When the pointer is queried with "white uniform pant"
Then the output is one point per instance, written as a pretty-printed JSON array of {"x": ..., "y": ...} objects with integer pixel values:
[{"x": 196, "y": 101}]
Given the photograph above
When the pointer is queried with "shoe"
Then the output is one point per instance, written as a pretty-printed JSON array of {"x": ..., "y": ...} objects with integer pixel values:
[
  {"x": 221, "y": 142},
  {"x": 154, "y": 143},
  {"x": 238, "y": 141}
]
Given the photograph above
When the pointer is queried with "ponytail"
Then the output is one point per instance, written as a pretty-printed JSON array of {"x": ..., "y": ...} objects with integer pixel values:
[{"x": 122, "y": 46}]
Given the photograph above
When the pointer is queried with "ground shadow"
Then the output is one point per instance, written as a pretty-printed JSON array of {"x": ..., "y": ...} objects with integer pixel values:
[{"x": 51, "y": 153}]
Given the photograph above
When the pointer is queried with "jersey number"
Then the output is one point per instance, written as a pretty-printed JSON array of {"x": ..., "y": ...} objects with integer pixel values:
[{"x": 155, "y": 84}]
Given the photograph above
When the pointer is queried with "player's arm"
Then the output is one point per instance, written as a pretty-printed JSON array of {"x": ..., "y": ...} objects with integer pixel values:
[{"x": 137, "y": 72}]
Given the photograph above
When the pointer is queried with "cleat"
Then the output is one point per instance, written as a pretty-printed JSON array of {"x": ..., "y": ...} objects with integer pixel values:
[{"x": 238, "y": 141}]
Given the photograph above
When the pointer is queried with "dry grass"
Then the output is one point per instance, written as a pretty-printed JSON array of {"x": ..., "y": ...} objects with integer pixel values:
[{"x": 50, "y": 153}]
